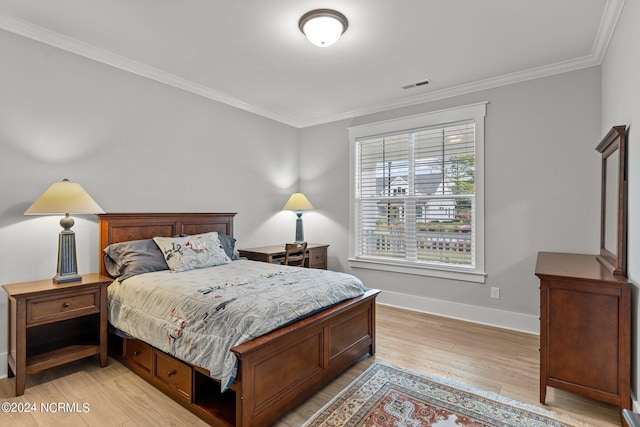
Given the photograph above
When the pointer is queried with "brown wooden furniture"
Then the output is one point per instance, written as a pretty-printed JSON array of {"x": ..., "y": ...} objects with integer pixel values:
[
  {"x": 295, "y": 254},
  {"x": 51, "y": 324},
  {"x": 276, "y": 372},
  {"x": 585, "y": 328},
  {"x": 316, "y": 255}
]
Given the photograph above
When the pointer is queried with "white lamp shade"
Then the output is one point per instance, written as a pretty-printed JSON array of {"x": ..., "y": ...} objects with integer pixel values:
[
  {"x": 297, "y": 202},
  {"x": 64, "y": 197},
  {"x": 323, "y": 27}
]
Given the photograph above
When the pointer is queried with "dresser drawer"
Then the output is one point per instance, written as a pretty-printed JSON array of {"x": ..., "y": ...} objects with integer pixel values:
[
  {"x": 318, "y": 258},
  {"x": 174, "y": 373},
  {"x": 63, "y": 306},
  {"x": 138, "y": 352}
]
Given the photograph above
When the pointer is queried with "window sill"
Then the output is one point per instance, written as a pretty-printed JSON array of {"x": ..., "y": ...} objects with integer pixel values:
[{"x": 399, "y": 267}]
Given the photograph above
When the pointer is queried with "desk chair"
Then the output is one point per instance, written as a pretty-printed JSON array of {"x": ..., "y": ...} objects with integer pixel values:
[{"x": 295, "y": 254}]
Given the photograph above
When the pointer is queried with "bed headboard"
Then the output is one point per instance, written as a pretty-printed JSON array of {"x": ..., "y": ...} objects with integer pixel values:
[{"x": 121, "y": 227}]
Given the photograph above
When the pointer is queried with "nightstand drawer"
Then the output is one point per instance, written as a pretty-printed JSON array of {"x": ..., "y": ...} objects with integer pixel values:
[
  {"x": 318, "y": 258},
  {"x": 174, "y": 373},
  {"x": 61, "y": 306},
  {"x": 139, "y": 352}
]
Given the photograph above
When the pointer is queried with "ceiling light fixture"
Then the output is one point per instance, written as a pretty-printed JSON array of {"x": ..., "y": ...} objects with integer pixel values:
[{"x": 323, "y": 27}]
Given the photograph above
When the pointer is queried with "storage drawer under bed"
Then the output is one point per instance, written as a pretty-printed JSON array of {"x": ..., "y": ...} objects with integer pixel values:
[
  {"x": 138, "y": 352},
  {"x": 174, "y": 373}
]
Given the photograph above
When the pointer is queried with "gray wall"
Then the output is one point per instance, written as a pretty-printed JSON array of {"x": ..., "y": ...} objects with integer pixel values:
[
  {"x": 542, "y": 183},
  {"x": 134, "y": 145},
  {"x": 621, "y": 106}
]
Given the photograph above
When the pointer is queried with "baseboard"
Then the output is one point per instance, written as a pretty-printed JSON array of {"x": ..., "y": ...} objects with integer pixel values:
[
  {"x": 3, "y": 365},
  {"x": 472, "y": 313}
]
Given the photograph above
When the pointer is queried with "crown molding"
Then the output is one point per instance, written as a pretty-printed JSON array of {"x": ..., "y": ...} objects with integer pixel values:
[
  {"x": 610, "y": 16},
  {"x": 86, "y": 50},
  {"x": 450, "y": 92}
]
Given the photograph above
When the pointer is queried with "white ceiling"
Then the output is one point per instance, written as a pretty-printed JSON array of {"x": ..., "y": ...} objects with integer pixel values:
[{"x": 250, "y": 53}]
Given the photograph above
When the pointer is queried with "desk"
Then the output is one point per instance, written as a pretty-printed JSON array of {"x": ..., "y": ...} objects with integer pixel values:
[{"x": 316, "y": 255}]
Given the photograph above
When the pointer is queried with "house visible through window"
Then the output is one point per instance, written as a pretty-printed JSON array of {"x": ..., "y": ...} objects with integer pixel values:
[{"x": 417, "y": 193}]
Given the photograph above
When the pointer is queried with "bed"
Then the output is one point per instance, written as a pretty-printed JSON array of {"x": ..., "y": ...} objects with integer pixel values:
[{"x": 275, "y": 372}]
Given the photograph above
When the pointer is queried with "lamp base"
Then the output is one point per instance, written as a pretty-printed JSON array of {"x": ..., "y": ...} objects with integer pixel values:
[
  {"x": 299, "y": 230},
  {"x": 66, "y": 278},
  {"x": 67, "y": 262}
]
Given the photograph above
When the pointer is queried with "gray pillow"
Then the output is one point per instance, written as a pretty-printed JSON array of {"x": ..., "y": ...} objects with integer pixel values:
[
  {"x": 229, "y": 245},
  {"x": 127, "y": 259}
]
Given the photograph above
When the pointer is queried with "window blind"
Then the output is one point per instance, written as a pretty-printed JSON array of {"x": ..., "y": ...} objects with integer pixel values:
[{"x": 415, "y": 195}]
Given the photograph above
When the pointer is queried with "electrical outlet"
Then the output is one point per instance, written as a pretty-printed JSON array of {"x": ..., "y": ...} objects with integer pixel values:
[{"x": 495, "y": 293}]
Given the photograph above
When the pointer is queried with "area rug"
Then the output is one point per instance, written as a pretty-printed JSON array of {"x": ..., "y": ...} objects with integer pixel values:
[{"x": 387, "y": 396}]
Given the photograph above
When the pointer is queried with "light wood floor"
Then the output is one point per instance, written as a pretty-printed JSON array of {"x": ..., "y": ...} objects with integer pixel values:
[{"x": 492, "y": 359}]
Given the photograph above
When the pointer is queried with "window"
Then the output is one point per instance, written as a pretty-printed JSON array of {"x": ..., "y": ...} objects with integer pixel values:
[{"x": 417, "y": 194}]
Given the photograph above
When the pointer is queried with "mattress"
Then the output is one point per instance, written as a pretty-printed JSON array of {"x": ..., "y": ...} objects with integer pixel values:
[{"x": 199, "y": 315}]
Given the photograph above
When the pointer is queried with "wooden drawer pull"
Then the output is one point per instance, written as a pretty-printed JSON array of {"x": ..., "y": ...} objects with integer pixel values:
[
  {"x": 135, "y": 353},
  {"x": 65, "y": 305},
  {"x": 171, "y": 373}
]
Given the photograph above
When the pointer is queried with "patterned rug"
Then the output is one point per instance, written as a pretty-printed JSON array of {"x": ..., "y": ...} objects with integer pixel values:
[{"x": 385, "y": 395}]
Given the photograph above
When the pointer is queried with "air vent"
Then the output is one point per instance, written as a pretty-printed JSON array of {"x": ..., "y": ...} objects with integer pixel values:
[{"x": 417, "y": 84}]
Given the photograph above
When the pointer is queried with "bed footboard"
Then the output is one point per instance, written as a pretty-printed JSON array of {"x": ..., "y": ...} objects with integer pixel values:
[
  {"x": 282, "y": 369},
  {"x": 276, "y": 372}
]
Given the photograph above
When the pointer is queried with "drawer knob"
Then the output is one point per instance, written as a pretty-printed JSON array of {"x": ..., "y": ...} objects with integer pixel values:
[
  {"x": 170, "y": 373},
  {"x": 65, "y": 305},
  {"x": 135, "y": 353}
]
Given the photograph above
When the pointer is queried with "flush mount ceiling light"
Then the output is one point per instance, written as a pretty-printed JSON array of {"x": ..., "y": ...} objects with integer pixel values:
[{"x": 323, "y": 27}]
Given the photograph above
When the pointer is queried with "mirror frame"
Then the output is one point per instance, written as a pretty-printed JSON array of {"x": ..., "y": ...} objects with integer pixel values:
[{"x": 614, "y": 141}]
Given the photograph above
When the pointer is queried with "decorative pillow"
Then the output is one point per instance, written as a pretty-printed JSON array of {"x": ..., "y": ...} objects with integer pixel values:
[
  {"x": 127, "y": 259},
  {"x": 191, "y": 252},
  {"x": 228, "y": 244}
]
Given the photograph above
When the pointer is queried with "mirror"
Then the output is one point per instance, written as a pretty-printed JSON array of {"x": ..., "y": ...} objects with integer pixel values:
[
  {"x": 611, "y": 202},
  {"x": 613, "y": 213}
]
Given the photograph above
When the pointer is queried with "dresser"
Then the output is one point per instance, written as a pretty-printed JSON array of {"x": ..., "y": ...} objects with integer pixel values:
[
  {"x": 585, "y": 328},
  {"x": 316, "y": 255}
]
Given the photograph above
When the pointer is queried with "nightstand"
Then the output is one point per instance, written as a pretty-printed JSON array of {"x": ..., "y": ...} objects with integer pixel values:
[
  {"x": 316, "y": 255},
  {"x": 51, "y": 324}
]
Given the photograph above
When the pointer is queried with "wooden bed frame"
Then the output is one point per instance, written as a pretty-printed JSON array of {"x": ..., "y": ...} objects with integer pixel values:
[{"x": 276, "y": 372}]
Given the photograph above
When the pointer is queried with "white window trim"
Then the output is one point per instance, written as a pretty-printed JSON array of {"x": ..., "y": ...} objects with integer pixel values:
[{"x": 477, "y": 112}]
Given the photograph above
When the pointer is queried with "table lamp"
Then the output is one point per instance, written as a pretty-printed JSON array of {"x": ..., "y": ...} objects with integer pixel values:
[
  {"x": 298, "y": 202},
  {"x": 65, "y": 197}
]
